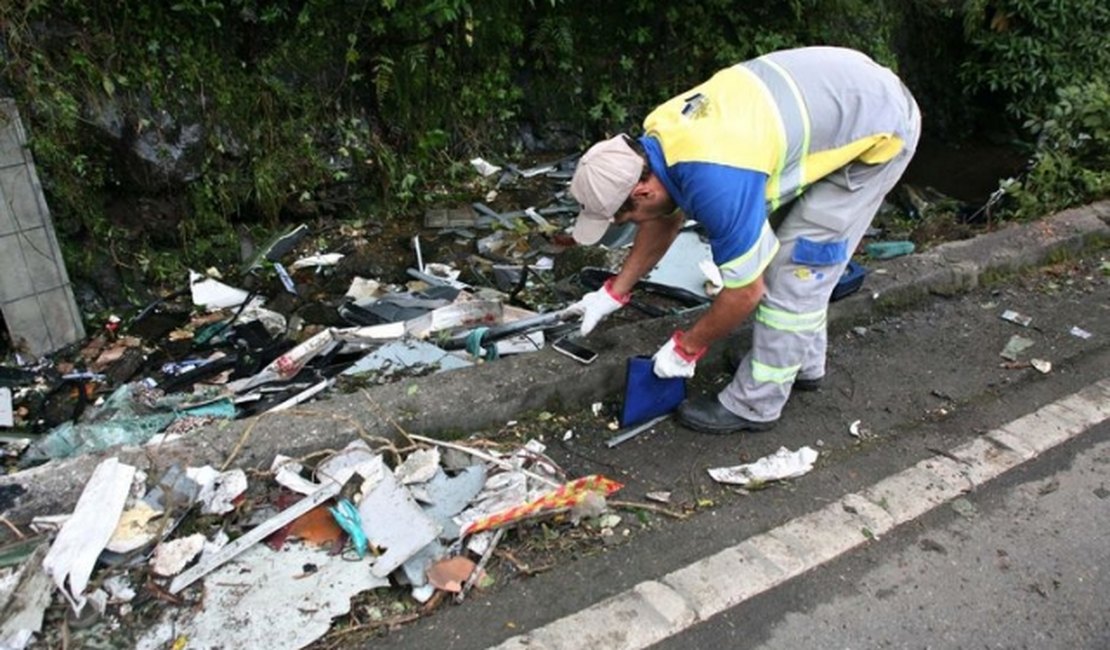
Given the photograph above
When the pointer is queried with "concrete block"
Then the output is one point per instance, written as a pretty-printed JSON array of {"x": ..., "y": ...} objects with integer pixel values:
[
  {"x": 35, "y": 295},
  {"x": 985, "y": 460},
  {"x": 15, "y": 278},
  {"x": 877, "y": 520},
  {"x": 911, "y": 493},
  {"x": 60, "y": 317},
  {"x": 18, "y": 193},
  {"x": 636, "y": 618},
  {"x": 42, "y": 258},
  {"x": 823, "y": 534},
  {"x": 1041, "y": 431},
  {"x": 1088, "y": 407},
  {"x": 723, "y": 580},
  {"x": 12, "y": 138},
  {"x": 8, "y": 224},
  {"x": 775, "y": 551}
]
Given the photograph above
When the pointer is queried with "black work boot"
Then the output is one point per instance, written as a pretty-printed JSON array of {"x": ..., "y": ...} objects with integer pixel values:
[
  {"x": 807, "y": 384},
  {"x": 707, "y": 415}
]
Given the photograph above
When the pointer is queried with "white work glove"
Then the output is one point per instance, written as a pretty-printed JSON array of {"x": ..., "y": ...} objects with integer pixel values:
[
  {"x": 672, "y": 361},
  {"x": 596, "y": 305}
]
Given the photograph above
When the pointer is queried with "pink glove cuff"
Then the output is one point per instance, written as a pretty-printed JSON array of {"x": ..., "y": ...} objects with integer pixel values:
[
  {"x": 622, "y": 299},
  {"x": 681, "y": 352}
]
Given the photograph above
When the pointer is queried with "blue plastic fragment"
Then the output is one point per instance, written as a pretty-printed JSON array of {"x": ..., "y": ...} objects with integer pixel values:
[
  {"x": 346, "y": 515},
  {"x": 850, "y": 281}
]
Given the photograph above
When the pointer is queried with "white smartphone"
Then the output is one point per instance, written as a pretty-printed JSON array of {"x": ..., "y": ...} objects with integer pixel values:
[{"x": 579, "y": 353}]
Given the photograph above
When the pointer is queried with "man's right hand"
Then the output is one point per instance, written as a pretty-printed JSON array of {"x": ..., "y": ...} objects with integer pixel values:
[{"x": 595, "y": 306}]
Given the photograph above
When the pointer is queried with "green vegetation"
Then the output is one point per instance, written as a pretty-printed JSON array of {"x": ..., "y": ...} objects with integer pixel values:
[
  {"x": 1046, "y": 64},
  {"x": 259, "y": 113}
]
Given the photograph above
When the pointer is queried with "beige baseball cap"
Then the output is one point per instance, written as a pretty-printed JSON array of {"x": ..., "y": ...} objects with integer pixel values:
[{"x": 602, "y": 182}]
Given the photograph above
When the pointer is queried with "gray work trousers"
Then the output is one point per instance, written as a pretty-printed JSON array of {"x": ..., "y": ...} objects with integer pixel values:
[{"x": 790, "y": 337}]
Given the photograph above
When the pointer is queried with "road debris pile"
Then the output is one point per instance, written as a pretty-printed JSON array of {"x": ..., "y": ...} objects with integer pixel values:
[
  {"x": 198, "y": 557},
  {"x": 297, "y": 320},
  {"x": 320, "y": 309}
]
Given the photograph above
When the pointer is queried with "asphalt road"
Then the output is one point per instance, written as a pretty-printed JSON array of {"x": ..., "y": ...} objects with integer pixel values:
[
  {"x": 1023, "y": 563},
  {"x": 1019, "y": 561}
]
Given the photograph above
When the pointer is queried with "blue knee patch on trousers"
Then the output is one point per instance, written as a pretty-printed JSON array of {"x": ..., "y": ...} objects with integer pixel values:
[{"x": 812, "y": 253}]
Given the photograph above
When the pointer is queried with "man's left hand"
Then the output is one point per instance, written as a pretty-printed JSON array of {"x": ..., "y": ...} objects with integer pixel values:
[{"x": 673, "y": 360}]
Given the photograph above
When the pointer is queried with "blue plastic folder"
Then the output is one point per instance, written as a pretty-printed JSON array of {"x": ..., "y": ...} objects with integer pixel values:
[{"x": 647, "y": 396}]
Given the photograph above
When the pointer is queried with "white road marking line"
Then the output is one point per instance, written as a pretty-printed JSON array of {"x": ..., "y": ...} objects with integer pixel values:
[{"x": 656, "y": 609}]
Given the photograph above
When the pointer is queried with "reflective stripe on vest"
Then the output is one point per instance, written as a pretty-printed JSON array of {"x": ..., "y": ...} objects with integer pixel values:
[
  {"x": 744, "y": 270},
  {"x": 788, "y": 179}
]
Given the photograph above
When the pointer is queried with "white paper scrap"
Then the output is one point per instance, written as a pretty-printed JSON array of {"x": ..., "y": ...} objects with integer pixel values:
[
  {"x": 714, "y": 280},
  {"x": 216, "y": 497},
  {"x": 7, "y": 418},
  {"x": 355, "y": 458},
  {"x": 82, "y": 538},
  {"x": 287, "y": 473},
  {"x": 171, "y": 557},
  {"x": 327, "y": 259},
  {"x": 483, "y": 167},
  {"x": 213, "y": 294},
  {"x": 419, "y": 467},
  {"x": 1016, "y": 317},
  {"x": 782, "y": 464},
  {"x": 1080, "y": 332},
  {"x": 119, "y": 589},
  {"x": 363, "y": 289}
]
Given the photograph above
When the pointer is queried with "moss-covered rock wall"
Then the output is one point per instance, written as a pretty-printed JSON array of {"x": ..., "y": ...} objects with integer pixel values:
[{"x": 161, "y": 128}]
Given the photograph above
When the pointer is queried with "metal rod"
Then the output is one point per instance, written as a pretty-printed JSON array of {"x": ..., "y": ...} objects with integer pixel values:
[
  {"x": 478, "y": 568},
  {"x": 257, "y": 534},
  {"x": 419, "y": 255},
  {"x": 635, "y": 431}
]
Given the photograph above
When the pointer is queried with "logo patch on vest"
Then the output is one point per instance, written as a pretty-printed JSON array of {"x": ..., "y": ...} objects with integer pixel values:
[{"x": 697, "y": 106}]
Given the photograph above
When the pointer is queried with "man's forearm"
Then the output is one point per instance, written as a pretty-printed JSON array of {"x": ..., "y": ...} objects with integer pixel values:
[
  {"x": 730, "y": 308},
  {"x": 653, "y": 238}
]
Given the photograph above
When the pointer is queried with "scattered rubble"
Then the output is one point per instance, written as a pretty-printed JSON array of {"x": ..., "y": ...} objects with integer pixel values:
[
  {"x": 297, "y": 321},
  {"x": 236, "y": 344},
  {"x": 1015, "y": 346},
  {"x": 425, "y": 519},
  {"x": 281, "y": 553},
  {"x": 1016, "y": 317}
]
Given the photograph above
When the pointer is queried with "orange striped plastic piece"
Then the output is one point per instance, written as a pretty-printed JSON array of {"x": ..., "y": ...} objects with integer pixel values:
[{"x": 562, "y": 498}]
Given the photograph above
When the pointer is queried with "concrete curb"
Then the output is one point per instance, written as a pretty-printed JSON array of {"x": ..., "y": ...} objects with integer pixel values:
[{"x": 461, "y": 401}]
